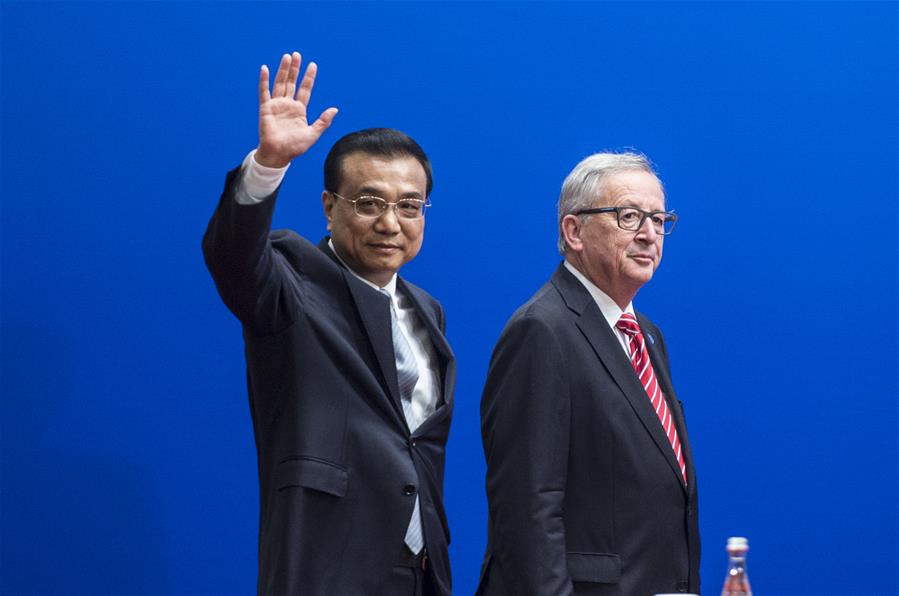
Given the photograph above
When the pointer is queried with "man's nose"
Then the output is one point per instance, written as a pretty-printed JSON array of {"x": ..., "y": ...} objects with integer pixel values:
[
  {"x": 388, "y": 220},
  {"x": 647, "y": 231}
]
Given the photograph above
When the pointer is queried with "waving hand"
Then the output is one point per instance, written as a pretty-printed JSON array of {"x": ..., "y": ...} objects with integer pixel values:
[{"x": 284, "y": 130}]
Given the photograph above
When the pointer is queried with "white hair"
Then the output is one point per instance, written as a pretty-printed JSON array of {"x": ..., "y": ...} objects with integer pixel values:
[{"x": 585, "y": 182}]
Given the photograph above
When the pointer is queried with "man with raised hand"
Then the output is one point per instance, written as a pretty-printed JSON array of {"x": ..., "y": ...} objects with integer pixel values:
[{"x": 349, "y": 374}]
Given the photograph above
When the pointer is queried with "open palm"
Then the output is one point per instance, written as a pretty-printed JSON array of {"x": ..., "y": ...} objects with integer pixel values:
[{"x": 284, "y": 129}]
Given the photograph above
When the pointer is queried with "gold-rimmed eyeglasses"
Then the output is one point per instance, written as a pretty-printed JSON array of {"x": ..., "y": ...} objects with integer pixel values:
[{"x": 370, "y": 206}]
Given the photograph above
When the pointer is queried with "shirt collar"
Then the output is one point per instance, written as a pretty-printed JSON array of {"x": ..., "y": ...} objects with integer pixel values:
[
  {"x": 390, "y": 287},
  {"x": 610, "y": 310}
]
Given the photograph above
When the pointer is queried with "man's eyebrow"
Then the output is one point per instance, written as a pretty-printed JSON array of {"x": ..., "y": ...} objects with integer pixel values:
[
  {"x": 638, "y": 208},
  {"x": 379, "y": 192},
  {"x": 370, "y": 190}
]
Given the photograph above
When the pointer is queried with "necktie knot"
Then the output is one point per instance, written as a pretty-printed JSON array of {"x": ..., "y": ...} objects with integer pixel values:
[
  {"x": 387, "y": 294},
  {"x": 628, "y": 324}
]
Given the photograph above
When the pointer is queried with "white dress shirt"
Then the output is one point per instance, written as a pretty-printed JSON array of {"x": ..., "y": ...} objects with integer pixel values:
[
  {"x": 258, "y": 181},
  {"x": 609, "y": 308}
]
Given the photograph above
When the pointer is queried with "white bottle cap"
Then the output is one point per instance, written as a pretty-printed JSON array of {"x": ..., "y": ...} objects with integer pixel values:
[{"x": 737, "y": 543}]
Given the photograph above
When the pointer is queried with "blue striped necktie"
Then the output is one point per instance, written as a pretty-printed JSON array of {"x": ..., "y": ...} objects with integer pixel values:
[{"x": 406, "y": 376}]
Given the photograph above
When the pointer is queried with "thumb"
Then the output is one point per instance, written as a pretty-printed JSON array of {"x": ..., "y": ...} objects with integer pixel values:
[{"x": 324, "y": 121}]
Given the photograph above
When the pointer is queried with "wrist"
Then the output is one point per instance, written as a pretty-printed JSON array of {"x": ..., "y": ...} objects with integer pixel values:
[
  {"x": 259, "y": 181},
  {"x": 270, "y": 160}
]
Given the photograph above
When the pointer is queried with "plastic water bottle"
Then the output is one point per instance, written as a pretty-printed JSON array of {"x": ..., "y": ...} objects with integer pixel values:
[{"x": 737, "y": 581}]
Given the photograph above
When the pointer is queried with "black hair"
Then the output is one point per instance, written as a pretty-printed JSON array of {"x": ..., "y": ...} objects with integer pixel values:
[{"x": 383, "y": 142}]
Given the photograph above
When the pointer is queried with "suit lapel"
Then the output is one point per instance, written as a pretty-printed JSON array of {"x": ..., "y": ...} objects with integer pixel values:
[
  {"x": 608, "y": 349},
  {"x": 427, "y": 317},
  {"x": 374, "y": 311},
  {"x": 660, "y": 367},
  {"x": 445, "y": 357}
]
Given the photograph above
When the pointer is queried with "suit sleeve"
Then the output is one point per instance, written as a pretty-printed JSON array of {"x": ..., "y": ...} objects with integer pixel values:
[
  {"x": 525, "y": 421},
  {"x": 249, "y": 274}
]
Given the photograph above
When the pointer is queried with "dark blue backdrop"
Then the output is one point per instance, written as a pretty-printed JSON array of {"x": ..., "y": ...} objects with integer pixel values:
[{"x": 127, "y": 455}]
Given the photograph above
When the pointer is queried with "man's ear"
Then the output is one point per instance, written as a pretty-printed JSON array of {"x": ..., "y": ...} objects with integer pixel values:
[
  {"x": 571, "y": 231},
  {"x": 328, "y": 206}
]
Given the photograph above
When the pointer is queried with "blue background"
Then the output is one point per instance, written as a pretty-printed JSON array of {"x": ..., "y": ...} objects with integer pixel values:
[{"x": 128, "y": 464}]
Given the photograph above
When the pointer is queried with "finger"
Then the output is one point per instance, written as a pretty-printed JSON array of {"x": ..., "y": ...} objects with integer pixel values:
[
  {"x": 293, "y": 73},
  {"x": 324, "y": 121},
  {"x": 305, "y": 90},
  {"x": 263, "y": 85},
  {"x": 281, "y": 77}
]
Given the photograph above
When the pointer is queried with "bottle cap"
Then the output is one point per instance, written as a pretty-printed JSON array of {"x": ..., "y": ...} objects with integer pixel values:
[{"x": 737, "y": 543}]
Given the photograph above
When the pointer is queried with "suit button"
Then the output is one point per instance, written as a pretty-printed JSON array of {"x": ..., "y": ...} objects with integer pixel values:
[
  {"x": 409, "y": 490},
  {"x": 682, "y": 586}
]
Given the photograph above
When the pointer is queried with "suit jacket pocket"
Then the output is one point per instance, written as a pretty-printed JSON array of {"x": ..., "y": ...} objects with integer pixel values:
[
  {"x": 601, "y": 568},
  {"x": 316, "y": 474}
]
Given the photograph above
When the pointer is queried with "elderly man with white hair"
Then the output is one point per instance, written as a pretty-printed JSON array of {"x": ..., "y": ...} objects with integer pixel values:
[{"x": 590, "y": 480}]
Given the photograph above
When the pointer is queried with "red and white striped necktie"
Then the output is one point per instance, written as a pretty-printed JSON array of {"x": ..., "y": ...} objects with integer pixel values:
[{"x": 640, "y": 359}]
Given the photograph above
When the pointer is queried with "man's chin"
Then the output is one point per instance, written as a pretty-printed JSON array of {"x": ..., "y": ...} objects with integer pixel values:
[
  {"x": 641, "y": 276},
  {"x": 383, "y": 267}
]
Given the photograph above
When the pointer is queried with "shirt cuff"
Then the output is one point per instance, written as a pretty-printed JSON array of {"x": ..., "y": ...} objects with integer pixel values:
[{"x": 258, "y": 181}]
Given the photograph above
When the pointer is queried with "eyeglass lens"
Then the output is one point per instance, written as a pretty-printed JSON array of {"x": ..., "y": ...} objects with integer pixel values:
[
  {"x": 632, "y": 219},
  {"x": 375, "y": 206}
]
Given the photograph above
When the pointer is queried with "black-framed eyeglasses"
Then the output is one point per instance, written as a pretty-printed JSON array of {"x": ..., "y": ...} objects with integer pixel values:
[
  {"x": 632, "y": 218},
  {"x": 370, "y": 206}
]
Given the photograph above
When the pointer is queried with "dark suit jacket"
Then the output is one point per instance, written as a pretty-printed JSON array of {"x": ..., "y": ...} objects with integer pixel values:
[
  {"x": 585, "y": 494},
  {"x": 338, "y": 467}
]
